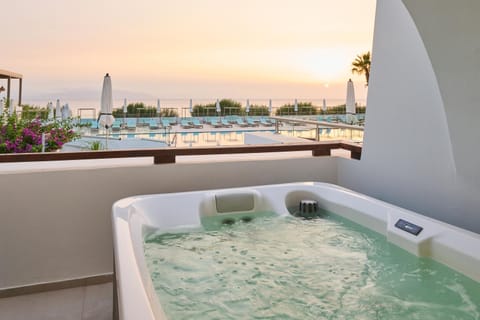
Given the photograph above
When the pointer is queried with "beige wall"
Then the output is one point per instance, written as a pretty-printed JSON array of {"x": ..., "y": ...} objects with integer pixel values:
[{"x": 55, "y": 225}]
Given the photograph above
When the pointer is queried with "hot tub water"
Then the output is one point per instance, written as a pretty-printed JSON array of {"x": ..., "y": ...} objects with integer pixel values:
[{"x": 290, "y": 268}]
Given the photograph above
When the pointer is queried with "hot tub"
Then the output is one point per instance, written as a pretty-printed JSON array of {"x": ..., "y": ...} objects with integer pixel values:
[{"x": 137, "y": 219}]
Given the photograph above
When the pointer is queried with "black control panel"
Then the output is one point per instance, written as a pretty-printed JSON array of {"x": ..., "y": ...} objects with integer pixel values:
[{"x": 408, "y": 227}]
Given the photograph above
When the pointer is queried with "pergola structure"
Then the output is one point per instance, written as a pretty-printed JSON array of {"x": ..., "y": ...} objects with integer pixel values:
[{"x": 4, "y": 74}]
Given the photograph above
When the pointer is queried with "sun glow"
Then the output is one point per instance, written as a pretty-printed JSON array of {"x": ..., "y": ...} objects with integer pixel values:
[{"x": 187, "y": 45}]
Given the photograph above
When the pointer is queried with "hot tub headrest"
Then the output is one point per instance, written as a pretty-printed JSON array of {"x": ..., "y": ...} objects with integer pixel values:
[{"x": 232, "y": 202}]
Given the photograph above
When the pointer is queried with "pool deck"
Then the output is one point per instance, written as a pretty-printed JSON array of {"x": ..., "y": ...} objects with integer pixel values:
[{"x": 208, "y": 128}]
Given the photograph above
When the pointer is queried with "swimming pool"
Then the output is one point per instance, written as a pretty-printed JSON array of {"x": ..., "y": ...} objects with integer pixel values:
[
  {"x": 342, "y": 263},
  {"x": 193, "y": 137}
]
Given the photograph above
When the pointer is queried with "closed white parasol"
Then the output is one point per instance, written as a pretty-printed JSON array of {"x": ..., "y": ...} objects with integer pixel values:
[
  {"x": 106, "y": 118},
  {"x": 106, "y": 104},
  {"x": 50, "y": 110},
  {"x": 350, "y": 97},
  {"x": 58, "y": 111},
  {"x": 350, "y": 103},
  {"x": 66, "y": 113}
]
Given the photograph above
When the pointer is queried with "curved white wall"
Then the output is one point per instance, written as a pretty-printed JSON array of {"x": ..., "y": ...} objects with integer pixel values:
[
  {"x": 450, "y": 32},
  {"x": 419, "y": 148}
]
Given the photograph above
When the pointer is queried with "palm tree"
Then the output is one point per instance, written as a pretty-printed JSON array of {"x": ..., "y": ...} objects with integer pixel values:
[{"x": 361, "y": 65}]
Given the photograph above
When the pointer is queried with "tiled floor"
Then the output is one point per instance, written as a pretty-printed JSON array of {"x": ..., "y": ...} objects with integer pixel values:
[{"x": 83, "y": 303}]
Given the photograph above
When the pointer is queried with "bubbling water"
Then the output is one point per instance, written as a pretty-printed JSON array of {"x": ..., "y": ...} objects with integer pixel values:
[{"x": 289, "y": 268}]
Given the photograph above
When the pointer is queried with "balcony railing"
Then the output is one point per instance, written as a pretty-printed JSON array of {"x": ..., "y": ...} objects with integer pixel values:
[{"x": 168, "y": 155}]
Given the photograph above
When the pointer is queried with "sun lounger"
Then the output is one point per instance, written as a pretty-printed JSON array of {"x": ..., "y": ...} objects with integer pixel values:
[
  {"x": 93, "y": 126},
  {"x": 165, "y": 123},
  {"x": 196, "y": 123},
  {"x": 233, "y": 119},
  {"x": 225, "y": 123},
  {"x": 131, "y": 124},
  {"x": 116, "y": 126},
  {"x": 265, "y": 123},
  {"x": 252, "y": 123},
  {"x": 153, "y": 124},
  {"x": 214, "y": 123},
  {"x": 143, "y": 122},
  {"x": 241, "y": 123},
  {"x": 171, "y": 120},
  {"x": 185, "y": 124}
]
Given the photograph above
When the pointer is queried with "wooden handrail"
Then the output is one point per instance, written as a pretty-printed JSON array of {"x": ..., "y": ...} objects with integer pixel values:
[
  {"x": 355, "y": 149},
  {"x": 168, "y": 155}
]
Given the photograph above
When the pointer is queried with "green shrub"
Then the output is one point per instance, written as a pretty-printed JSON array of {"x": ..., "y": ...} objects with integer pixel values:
[
  {"x": 258, "y": 110},
  {"x": 304, "y": 108},
  {"x": 227, "y": 107},
  {"x": 31, "y": 112},
  {"x": 342, "y": 109},
  {"x": 359, "y": 109},
  {"x": 140, "y": 110},
  {"x": 95, "y": 145},
  {"x": 168, "y": 113}
]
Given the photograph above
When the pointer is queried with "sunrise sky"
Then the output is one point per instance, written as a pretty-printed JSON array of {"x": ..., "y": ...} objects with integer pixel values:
[{"x": 186, "y": 48}]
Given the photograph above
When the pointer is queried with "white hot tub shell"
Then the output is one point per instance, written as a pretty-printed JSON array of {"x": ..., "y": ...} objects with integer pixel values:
[{"x": 134, "y": 216}]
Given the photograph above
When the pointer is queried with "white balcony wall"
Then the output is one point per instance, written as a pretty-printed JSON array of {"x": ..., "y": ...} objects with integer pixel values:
[{"x": 55, "y": 224}]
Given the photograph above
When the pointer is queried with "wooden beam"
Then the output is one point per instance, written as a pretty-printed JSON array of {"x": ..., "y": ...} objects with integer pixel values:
[
  {"x": 9, "y": 75},
  {"x": 9, "y": 82},
  {"x": 5, "y": 74},
  {"x": 20, "y": 92},
  {"x": 355, "y": 149}
]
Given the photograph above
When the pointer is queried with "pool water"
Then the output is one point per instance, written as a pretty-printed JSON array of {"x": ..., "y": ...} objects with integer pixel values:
[
  {"x": 274, "y": 267},
  {"x": 236, "y": 137}
]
